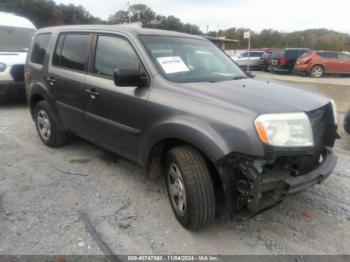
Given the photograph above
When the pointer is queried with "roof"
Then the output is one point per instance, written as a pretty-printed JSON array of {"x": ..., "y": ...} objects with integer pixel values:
[
  {"x": 124, "y": 28},
  {"x": 12, "y": 20}
]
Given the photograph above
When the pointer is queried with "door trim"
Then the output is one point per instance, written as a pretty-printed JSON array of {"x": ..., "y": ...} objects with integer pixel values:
[{"x": 112, "y": 123}]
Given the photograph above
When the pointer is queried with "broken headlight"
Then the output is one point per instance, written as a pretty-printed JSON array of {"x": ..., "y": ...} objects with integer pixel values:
[{"x": 285, "y": 130}]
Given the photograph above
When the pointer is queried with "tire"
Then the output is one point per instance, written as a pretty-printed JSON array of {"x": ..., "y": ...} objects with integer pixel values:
[
  {"x": 347, "y": 122},
  {"x": 45, "y": 120},
  {"x": 186, "y": 172},
  {"x": 317, "y": 71}
]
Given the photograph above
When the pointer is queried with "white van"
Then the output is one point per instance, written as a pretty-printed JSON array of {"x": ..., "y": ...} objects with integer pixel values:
[{"x": 16, "y": 34}]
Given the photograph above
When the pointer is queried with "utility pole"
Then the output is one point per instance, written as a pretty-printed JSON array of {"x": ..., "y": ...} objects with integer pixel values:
[{"x": 246, "y": 35}]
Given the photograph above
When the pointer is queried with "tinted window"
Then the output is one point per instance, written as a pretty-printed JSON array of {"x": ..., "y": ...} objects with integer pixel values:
[
  {"x": 256, "y": 54},
  {"x": 292, "y": 54},
  {"x": 306, "y": 54},
  {"x": 57, "y": 55},
  {"x": 331, "y": 55},
  {"x": 114, "y": 53},
  {"x": 40, "y": 48},
  {"x": 245, "y": 54},
  {"x": 278, "y": 54},
  {"x": 75, "y": 51}
]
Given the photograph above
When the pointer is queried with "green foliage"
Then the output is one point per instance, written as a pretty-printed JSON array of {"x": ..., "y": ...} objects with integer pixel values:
[
  {"x": 316, "y": 39},
  {"x": 46, "y": 13},
  {"x": 142, "y": 13}
]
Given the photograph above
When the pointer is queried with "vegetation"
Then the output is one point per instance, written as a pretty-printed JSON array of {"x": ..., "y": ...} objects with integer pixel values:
[
  {"x": 47, "y": 13},
  {"x": 317, "y": 39}
]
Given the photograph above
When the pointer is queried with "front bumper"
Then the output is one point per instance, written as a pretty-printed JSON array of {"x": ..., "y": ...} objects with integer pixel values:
[
  {"x": 12, "y": 89},
  {"x": 264, "y": 190}
]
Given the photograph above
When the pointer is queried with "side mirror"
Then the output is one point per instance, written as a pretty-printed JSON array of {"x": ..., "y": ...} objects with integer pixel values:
[{"x": 130, "y": 77}]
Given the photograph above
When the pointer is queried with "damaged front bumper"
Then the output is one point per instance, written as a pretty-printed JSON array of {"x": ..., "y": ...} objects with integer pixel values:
[{"x": 256, "y": 191}]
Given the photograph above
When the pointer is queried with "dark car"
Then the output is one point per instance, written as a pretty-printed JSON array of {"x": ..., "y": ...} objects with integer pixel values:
[
  {"x": 347, "y": 122},
  {"x": 179, "y": 107},
  {"x": 265, "y": 60},
  {"x": 283, "y": 61}
]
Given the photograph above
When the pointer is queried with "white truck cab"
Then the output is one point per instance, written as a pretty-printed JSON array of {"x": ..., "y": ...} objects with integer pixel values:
[{"x": 16, "y": 34}]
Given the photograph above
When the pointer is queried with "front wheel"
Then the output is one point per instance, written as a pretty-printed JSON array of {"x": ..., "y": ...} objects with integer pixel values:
[
  {"x": 190, "y": 188},
  {"x": 317, "y": 71}
]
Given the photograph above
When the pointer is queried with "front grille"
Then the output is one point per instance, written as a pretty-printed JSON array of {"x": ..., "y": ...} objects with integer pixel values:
[
  {"x": 318, "y": 119},
  {"x": 17, "y": 73}
]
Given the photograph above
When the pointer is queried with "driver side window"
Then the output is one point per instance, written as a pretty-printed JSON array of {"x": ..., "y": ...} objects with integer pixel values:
[{"x": 113, "y": 53}]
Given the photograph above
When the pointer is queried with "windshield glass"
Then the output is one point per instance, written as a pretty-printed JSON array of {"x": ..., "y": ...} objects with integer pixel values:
[
  {"x": 14, "y": 39},
  {"x": 185, "y": 60}
]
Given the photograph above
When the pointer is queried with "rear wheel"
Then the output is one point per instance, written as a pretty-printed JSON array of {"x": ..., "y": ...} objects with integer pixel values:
[
  {"x": 49, "y": 130},
  {"x": 317, "y": 71},
  {"x": 190, "y": 188}
]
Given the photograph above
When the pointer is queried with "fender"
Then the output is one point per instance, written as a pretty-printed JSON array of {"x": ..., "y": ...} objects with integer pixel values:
[
  {"x": 40, "y": 89},
  {"x": 190, "y": 130}
]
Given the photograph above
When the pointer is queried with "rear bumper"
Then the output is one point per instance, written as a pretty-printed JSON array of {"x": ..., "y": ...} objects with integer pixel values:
[
  {"x": 12, "y": 89},
  {"x": 304, "y": 68}
]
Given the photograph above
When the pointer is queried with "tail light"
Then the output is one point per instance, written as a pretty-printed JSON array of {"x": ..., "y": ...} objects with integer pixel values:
[{"x": 282, "y": 61}]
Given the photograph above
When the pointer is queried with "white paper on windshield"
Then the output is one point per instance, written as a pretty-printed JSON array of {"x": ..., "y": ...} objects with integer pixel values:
[{"x": 172, "y": 64}]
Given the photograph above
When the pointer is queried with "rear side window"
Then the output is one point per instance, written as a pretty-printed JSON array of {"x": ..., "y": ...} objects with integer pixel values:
[
  {"x": 114, "y": 53},
  {"x": 40, "y": 48},
  {"x": 331, "y": 55},
  {"x": 256, "y": 54},
  {"x": 306, "y": 54},
  {"x": 72, "y": 51},
  {"x": 343, "y": 57}
]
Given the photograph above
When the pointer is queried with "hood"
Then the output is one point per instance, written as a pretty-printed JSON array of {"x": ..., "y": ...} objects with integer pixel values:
[
  {"x": 13, "y": 58},
  {"x": 259, "y": 96}
]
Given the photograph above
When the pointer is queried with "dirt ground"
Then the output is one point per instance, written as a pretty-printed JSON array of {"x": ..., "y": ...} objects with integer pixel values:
[{"x": 43, "y": 192}]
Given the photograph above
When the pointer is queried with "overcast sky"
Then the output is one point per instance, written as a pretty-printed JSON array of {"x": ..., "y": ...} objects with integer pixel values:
[{"x": 281, "y": 15}]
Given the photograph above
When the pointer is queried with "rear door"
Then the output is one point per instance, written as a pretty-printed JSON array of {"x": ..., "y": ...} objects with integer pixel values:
[
  {"x": 114, "y": 115},
  {"x": 330, "y": 61},
  {"x": 67, "y": 75},
  {"x": 344, "y": 63}
]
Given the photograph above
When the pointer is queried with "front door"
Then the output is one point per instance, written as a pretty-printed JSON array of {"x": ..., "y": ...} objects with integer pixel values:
[{"x": 114, "y": 115}]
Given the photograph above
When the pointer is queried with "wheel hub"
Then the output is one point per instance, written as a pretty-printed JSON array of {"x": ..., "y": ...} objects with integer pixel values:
[
  {"x": 177, "y": 189},
  {"x": 44, "y": 125}
]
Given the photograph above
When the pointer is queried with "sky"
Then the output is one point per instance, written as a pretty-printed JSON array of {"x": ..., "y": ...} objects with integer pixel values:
[{"x": 282, "y": 15}]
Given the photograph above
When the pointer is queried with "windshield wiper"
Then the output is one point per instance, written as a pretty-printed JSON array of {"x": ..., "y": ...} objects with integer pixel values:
[{"x": 239, "y": 77}]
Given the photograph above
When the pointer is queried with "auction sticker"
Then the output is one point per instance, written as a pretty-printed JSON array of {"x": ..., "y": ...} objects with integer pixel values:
[{"x": 172, "y": 64}]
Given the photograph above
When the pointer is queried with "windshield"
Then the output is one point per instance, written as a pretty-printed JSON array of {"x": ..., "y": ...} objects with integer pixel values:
[
  {"x": 14, "y": 39},
  {"x": 185, "y": 60}
]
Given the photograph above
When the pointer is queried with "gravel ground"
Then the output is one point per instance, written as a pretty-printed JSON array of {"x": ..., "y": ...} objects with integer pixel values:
[{"x": 42, "y": 191}]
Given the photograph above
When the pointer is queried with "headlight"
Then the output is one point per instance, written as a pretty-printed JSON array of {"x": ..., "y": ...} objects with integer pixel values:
[
  {"x": 335, "y": 114},
  {"x": 2, "y": 67},
  {"x": 285, "y": 130}
]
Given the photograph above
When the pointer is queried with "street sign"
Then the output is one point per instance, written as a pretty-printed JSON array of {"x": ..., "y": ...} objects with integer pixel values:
[{"x": 246, "y": 34}]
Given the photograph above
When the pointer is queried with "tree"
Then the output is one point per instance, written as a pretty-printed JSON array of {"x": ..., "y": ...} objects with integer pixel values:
[{"x": 119, "y": 17}]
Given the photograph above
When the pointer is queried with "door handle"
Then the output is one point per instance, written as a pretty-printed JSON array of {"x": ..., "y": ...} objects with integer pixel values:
[
  {"x": 51, "y": 80},
  {"x": 92, "y": 92}
]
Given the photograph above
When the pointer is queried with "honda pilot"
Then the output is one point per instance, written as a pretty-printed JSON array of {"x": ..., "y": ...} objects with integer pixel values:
[{"x": 179, "y": 107}]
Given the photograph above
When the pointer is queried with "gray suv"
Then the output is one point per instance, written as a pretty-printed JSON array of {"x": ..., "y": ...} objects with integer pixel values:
[{"x": 178, "y": 106}]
